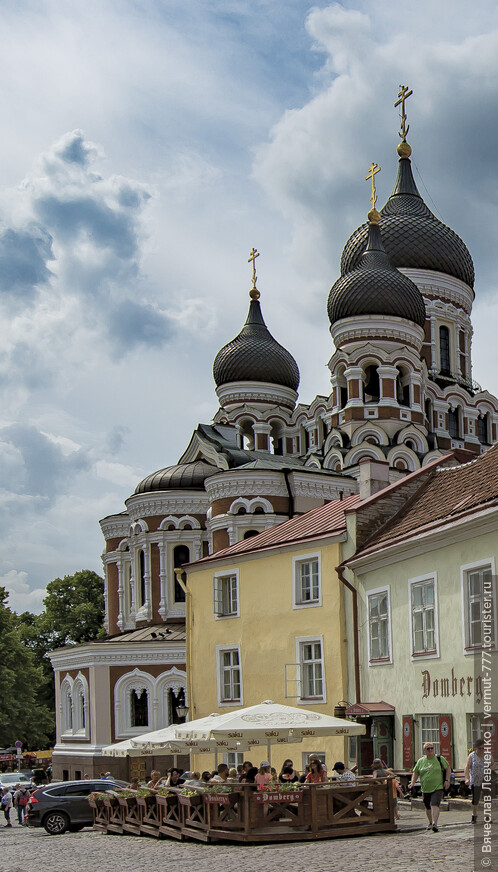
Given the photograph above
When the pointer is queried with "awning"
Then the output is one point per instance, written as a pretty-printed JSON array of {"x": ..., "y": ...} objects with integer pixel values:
[{"x": 370, "y": 709}]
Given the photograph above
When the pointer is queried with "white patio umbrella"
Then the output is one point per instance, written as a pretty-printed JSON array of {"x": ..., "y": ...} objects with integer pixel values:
[
  {"x": 268, "y": 723},
  {"x": 122, "y": 749}
]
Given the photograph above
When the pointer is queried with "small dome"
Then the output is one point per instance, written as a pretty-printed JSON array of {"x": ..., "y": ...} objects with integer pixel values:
[
  {"x": 185, "y": 476},
  {"x": 254, "y": 355},
  {"x": 412, "y": 235},
  {"x": 375, "y": 287}
]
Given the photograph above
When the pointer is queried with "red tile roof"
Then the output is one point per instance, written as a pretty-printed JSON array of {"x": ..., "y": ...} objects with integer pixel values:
[
  {"x": 449, "y": 494},
  {"x": 327, "y": 520}
]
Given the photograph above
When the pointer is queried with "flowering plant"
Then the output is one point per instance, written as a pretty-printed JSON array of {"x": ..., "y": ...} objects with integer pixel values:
[
  {"x": 97, "y": 796},
  {"x": 219, "y": 788}
]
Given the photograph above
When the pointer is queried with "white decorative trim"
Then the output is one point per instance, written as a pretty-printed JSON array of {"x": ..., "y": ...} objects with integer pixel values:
[
  {"x": 241, "y": 392},
  {"x": 140, "y": 681},
  {"x": 366, "y": 449},
  {"x": 237, "y": 482},
  {"x": 250, "y": 506},
  {"x": 117, "y": 653},
  {"x": 365, "y": 326},
  {"x": 170, "y": 503},
  {"x": 440, "y": 285},
  {"x": 115, "y": 526},
  {"x": 368, "y": 429}
]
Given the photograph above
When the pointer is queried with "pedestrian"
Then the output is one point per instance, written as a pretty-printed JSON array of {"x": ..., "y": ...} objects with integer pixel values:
[
  {"x": 434, "y": 774},
  {"x": 474, "y": 774},
  {"x": 134, "y": 784},
  {"x": 6, "y": 804},
  {"x": 343, "y": 774},
  {"x": 21, "y": 797}
]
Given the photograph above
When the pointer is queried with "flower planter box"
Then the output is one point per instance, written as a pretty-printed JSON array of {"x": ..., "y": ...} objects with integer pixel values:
[
  {"x": 146, "y": 801},
  {"x": 190, "y": 800}
]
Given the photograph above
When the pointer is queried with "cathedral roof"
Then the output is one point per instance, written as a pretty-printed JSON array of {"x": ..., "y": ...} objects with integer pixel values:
[
  {"x": 412, "y": 235},
  {"x": 185, "y": 476},
  {"x": 373, "y": 286},
  {"x": 254, "y": 355}
]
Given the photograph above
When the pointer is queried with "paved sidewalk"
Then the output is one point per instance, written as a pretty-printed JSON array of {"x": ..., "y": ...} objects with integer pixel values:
[{"x": 411, "y": 849}]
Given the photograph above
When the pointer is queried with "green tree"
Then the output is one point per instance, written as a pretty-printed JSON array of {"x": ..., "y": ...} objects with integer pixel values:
[
  {"x": 74, "y": 609},
  {"x": 22, "y": 715},
  {"x": 74, "y": 613}
]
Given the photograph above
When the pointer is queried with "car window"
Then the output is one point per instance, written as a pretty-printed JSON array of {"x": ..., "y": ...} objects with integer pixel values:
[
  {"x": 83, "y": 789},
  {"x": 53, "y": 791}
]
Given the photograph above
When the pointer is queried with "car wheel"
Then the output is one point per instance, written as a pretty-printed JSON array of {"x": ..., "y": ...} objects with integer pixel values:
[{"x": 56, "y": 823}]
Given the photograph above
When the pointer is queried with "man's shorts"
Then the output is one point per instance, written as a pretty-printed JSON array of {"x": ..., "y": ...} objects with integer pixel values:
[
  {"x": 433, "y": 798},
  {"x": 476, "y": 793}
]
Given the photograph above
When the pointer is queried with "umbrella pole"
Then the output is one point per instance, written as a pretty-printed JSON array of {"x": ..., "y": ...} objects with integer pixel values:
[{"x": 268, "y": 751}]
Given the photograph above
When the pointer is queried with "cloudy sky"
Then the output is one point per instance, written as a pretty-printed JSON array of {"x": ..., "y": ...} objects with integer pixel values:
[{"x": 147, "y": 146}]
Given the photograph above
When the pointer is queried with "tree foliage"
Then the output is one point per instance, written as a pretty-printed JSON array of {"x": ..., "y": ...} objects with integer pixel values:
[
  {"x": 73, "y": 613},
  {"x": 22, "y": 715}
]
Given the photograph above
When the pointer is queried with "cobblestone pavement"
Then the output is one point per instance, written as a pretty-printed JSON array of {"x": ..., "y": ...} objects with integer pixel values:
[{"x": 411, "y": 849}]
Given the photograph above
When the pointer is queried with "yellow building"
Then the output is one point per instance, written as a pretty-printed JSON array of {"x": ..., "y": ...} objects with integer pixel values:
[{"x": 266, "y": 621}]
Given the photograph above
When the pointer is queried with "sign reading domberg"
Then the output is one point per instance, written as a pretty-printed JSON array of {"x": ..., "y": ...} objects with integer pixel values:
[{"x": 452, "y": 685}]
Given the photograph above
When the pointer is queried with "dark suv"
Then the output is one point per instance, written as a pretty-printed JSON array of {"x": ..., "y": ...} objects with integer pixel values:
[{"x": 64, "y": 806}]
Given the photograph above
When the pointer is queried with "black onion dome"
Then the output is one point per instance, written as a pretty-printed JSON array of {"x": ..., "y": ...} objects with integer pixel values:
[
  {"x": 412, "y": 235},
  {"x": 185, "y": 476},
  {"x": 375, "y": 287},
  {"x": 254, "y": 355}
]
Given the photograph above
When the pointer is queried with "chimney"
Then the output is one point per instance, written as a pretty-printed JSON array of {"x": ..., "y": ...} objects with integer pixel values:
[{"x": 374, "y": 476}]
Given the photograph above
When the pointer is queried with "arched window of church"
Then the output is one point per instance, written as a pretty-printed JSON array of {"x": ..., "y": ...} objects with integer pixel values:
[
  {"x": 139, "y": 708},
  {"x": 250, "y": 533},
  {"x": 454, "y": 423},
  {"x": 444, "y": 350},
  {"x": 483, "y": 429},
  {"x": 428, "y": 414},
  {"x": 372, "y": 386},
  {"x": 403, "y": 388},
  {"x": 181, "y": 555},
  {"x": 247, "y": 434},
  {"x": 141, "y": 578},
  {"x": 66, "y": 707}
]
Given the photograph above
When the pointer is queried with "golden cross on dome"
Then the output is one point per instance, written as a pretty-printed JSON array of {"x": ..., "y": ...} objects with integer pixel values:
[
  {"x": 252, "y": 257},
  {"x": 403, "y": 95},
  {"x": 373, "y": 170}
]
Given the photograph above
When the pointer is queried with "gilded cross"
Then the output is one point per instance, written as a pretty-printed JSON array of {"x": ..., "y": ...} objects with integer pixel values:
[
  {"x": 373, "y": 170},
  {"x": 403, "y": 95},
  {"x": 252, "y": 257}
]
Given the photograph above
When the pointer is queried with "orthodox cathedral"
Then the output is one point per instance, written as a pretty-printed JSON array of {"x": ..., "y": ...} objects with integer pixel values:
[{"x": 402, "y": 394}]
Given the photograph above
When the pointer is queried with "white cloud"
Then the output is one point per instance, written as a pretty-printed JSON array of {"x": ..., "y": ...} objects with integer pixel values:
[{"x": 21, "y": 597}]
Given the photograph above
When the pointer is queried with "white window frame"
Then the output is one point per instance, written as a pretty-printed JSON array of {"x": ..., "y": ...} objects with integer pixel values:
[
  {"x": 465, "y": 569},
  {"x": 310, "y": 700},
  {"x": 297, "y": 563},
  {"x": 413, "y": 582},
  {"x": 218, "y": 579},
  {"x": 220, "y": 650},
  {"x": 428, "y": 732},
  {"x": 382, "y": 661}
]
